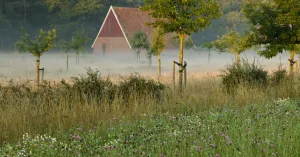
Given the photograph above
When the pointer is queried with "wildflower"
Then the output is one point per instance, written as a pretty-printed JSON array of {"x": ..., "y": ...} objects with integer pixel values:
[
  {"x": 51, "y": 146},
  {"x": 212, "y": 146},
  {"x": 195, "y": 142},
  {"x": 77, "y": 137},
  {"x": 229, "y": 142},
  {"x": 198, "y": 148},
  {"x": 217, "y": 155}
]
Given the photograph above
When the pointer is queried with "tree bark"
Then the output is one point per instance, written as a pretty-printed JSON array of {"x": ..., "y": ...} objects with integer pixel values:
[
  {"x": 291, "y": 61},
  {"x": 37, "y": 62},
  {"x": 159, "y": 65},
  {"x": 181, "y": 36}
]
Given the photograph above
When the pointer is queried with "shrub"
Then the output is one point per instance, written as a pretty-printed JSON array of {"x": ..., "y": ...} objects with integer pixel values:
[
  {"x": 278, "y": 76},
  {"x": 136, "y": 87},
  {"x": 244, "y": 73},
  {"x": 93, "y": 87}
]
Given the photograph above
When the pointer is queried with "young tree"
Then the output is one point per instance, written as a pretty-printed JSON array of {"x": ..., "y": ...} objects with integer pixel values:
[
  {"x": 77, "y": 43},
  {"x": 140, "y": 42},
  {"x": 209, "y": 46},
  {"x": 66, "y": 48},
  {"x": 158, "y": 46},
  {"x": 183, "y": 17},
  {"x": 41, "y": 44},
  {"x": 232, "y": 42},
  {"x": 276, "y": 27}
]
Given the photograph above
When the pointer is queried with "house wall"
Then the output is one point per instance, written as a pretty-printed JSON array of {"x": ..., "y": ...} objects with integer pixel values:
[
  {"x": 111, "y": 45},
  {"x": 111, "y": 38},
  {"x": 111, "y": 27}
]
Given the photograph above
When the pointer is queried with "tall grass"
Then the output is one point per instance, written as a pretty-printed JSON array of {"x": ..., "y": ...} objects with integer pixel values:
[{"x": 91, "y": 100}]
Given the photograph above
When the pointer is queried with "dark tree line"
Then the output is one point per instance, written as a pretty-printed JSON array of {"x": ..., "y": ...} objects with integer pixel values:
[{"x": 66, "y": 16}]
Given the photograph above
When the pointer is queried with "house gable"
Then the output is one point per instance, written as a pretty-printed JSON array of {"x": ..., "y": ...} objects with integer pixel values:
[{"x": 111, "y": 27}]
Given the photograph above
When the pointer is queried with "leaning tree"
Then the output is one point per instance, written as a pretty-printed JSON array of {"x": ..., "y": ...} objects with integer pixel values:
[
  {"x": 41, "y": 44},
  {"x": 276, "y": 27},
  {"x": 182, "y": 17}
]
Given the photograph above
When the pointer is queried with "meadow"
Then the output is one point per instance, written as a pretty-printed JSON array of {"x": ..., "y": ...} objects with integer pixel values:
[{"x": 94, "y": 115}]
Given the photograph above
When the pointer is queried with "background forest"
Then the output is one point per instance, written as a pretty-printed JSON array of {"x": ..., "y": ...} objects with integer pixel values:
[{"x": 68, "y": 15}]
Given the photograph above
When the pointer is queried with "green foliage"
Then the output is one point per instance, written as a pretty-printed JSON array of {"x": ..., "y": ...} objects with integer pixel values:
[
  {"x": 208, "y": 45},
  {"x": 77, "y": 43},
  {"x": 71, "y": 8},
  {"x": 166, "y": 135},
  {"x": 93, "y": 87},
  {"x": 136, "y": 86},
  {"x": 232, "y": 42},
  {"x": 182, "y": 17},
  {"x": 243, "y": 74},
  {"x": 140, "y": 42},
  {"x": 270, "y": 30},
  {"x": 278, "y": 76},
  {"x": 42, "y": 43},
  {"x": 187, "y": 44},
  {"x": 158, "y": 41}
]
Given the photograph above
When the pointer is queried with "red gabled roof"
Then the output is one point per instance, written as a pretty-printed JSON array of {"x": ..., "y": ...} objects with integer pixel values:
[{"x": 132, "y": 20}]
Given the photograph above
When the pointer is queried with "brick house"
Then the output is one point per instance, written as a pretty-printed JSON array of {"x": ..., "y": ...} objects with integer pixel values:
[{"x": 118, "y": 28}]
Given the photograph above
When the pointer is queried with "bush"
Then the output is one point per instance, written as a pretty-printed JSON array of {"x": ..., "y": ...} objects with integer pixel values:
[
  {"x": 278, "y": 76},
  {"x": 93, "y": 87},
  {"x": 136, "y": 87},
  {"x": 245, "y": 73}
]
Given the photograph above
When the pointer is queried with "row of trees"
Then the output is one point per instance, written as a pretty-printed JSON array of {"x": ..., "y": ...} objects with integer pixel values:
[
  {"x": 275, "y": 28},
  {"x": 270, "y": 28},
  {"x": 68, "y": 15}
]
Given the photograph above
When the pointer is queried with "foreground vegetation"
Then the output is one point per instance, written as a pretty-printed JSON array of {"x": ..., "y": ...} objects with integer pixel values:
[
  {"x": 253, "y": 130},
  {"x": 238, "y": 114}
]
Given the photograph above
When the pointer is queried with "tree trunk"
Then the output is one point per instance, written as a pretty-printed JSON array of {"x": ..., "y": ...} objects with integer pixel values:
[
  {"x": 182, "y": 36},
  {"x": 208, "y": 57},
  {"x": 159, "y": 65},
  {"x": 37, "y": 62},
  {"x": 237, "y": 58},
  {"x": 291, "y": 61},
  {"x": 67, "y": 62}
]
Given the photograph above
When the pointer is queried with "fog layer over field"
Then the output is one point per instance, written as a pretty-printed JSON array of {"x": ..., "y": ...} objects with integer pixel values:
[{"x": 13, "y": 66}]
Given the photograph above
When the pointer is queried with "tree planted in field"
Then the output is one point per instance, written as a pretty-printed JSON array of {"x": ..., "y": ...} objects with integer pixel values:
[
  {"x": 66, "y": 48},
  {"x": 233, "y": 43},
  {"x": 209, "y": 46},
  {"x": 77, "y": 43},
  {"x": 276, "y": 27},
  {"x": 182, "y": 17},
  {"x": 41, "y": 44},
  {"x": 158, "y": 45},
  {"x": 140, "y": 42}
]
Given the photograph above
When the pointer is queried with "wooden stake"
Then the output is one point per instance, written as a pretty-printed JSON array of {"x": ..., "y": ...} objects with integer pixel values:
[
  {"x": 185, "y": 73},
  {"x": 173, "y": 68}
]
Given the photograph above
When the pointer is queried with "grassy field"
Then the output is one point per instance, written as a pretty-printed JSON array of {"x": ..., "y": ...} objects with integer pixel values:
[{"x": 93, "y": 116}]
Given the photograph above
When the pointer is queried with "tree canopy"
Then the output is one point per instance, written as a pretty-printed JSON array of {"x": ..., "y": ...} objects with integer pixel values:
[
  {"x": 270, "y": 30},
  {"x": 182, "y": 17}
]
